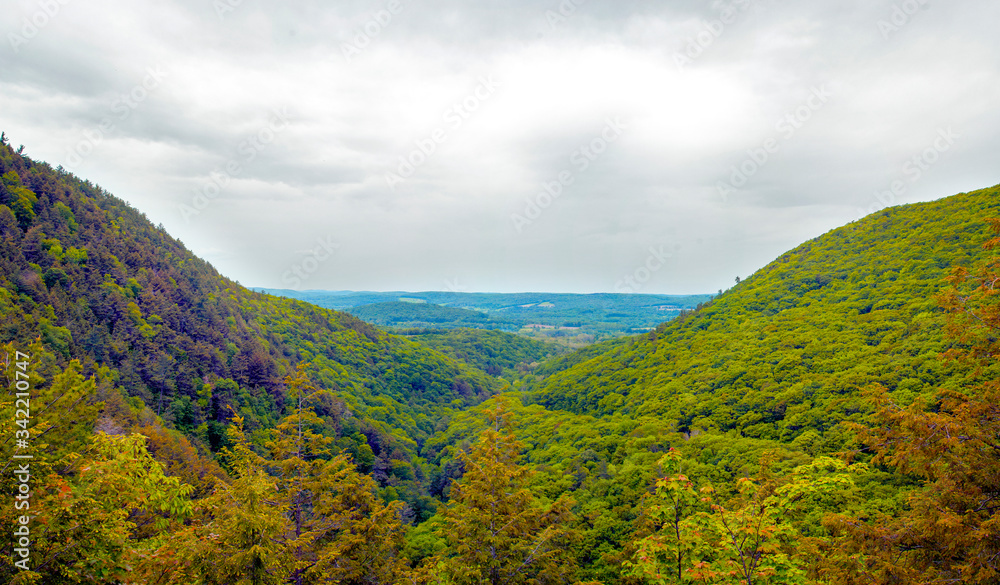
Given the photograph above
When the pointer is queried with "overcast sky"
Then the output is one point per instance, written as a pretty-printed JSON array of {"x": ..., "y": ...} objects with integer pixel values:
[{"x": 581, "y": 146}]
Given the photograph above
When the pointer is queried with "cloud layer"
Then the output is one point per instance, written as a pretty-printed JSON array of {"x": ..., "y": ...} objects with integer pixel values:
[{"x": 420, "y": 145}]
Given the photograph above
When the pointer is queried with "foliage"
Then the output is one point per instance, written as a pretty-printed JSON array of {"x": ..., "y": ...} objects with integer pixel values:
[
  {"x": 495, "y": 352},
  {"x": 188, "y": 430},
  {"x": 112, "y": 296},
  {"x": 951, "y": 529},
  {"x": 495, "y": 529}
]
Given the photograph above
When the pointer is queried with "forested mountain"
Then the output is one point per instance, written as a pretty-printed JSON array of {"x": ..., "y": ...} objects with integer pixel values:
[
  {"x": 832, "y": 419},
  {"x": 766, "y": 382},
  {"x": 95, "y": 281},
  {"x": 786, "y": 351},
  {"x": 495, "y": 352}
]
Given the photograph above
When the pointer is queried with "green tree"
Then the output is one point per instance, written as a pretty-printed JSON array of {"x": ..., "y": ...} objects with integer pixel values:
[
  {"x": 950, "y": 532},
  {"x": 497, "y": 532},
  {"x": 755, "y": 535},
  {"x": 662, "y": 556}
]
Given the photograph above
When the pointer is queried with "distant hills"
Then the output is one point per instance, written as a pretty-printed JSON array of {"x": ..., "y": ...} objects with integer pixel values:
[{"x": 573, "y": 319}]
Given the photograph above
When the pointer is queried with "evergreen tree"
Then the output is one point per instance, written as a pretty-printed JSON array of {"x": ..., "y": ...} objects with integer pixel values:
[{"x": 497, "y": 532}]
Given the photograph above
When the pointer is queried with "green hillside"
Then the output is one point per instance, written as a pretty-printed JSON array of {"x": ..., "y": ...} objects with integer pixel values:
[
  {"x": 772, "y": 370},
  {"x": 95, "y": 281},
  {"x": 403, "y": 314},
  {"x": 788, "y": 350},
  {"x": 495, "y": 352},
  {"x": 833, "y": 419}
]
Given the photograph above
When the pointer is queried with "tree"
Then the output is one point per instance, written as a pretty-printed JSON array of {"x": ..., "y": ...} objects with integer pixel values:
[
  {"x": 238, "y": 534},
  {"x": 950, "y": 532},
  {"x": 341, "y": 531},
  {"x": 663, "y": 555},
  {"x": 755, "y": 535},
  {"x": 354, "y": 537},
  {"x": 83, "y": 525},
  {"x": 497, "y": 532}
]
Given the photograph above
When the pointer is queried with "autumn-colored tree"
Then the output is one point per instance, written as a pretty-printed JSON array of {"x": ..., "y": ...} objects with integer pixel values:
[
  {"x": 756, "y": 541},
  {"x": 497, "y": 532},
  {"x": 951, "y": 531},
  {"x": 297, "y": 453},
  {"x": 663, "y": 556},
  {"x": 83, "y": 521},
  {"x": 88, "y": 491},
  {"x": 238, "y": 533},
  {"x": 354, "y": 537}
]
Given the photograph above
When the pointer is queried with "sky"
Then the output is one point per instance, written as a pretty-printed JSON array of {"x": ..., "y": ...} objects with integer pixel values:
[{"x": 559, "y": 146}]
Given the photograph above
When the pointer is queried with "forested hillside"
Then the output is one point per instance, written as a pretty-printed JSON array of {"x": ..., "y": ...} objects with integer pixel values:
[
  {"x": 495, "y": 352},
  {"x": 96, "y": 282},
  {"x": 832, "y": 419},
  {"x": 767, "y": 382},
  {"x": 786, "y": 350}
]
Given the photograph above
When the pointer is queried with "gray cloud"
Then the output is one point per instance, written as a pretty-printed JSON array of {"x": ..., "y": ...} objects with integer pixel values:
[{"x": 456, "y": 142}]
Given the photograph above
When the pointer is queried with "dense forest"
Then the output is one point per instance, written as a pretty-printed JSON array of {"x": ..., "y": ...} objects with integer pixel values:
[{"x": 832, "y": 419}]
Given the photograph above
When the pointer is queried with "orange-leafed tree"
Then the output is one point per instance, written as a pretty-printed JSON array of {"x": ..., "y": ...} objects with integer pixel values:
[{"x": 950, "y": 532}]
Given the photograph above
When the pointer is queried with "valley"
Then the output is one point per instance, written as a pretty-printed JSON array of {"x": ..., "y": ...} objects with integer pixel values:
[
  {"x": 571, "y": 320},
  {"x": 833, "y": 416}
]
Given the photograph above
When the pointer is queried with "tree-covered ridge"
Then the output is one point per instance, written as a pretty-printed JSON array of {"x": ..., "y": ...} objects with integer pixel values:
[
  {"x": 556, "y": 317},
  {"x": 95, "y": 281},
  {"x": 798, "y": 429},
  {"x": 785, "y": 353},
  {"x": 403, "y": 314},
  {"x": 495, "y": 352}
]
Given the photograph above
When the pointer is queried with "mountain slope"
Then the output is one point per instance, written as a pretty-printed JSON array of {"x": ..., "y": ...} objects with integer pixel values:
[
  {"x": 789, "y": 350},
  {"x": 494, "y": 352},
  {"x": 96, "y": 281}
]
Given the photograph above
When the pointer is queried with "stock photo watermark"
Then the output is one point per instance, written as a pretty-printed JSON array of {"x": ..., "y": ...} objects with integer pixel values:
[
  {"x": 371, "y": 29},
  {"x": 224, "y": 7},
  {"x": 248, "y": 150},
  {"x": 643, "y": 273},
  {"x": 32, "y": 25},
  {"x": 913, "y": 170},
  {"x": 581, "y": 159},
  {"x": 454, "y": 118},
  {"x": 785, "y": 128},
  {"x": 300, "y": 272},
  {"x": 122, "y": 107},
  {"x": 454, "y": 285},
  {"x": 565, "y": 10},
  {"x": 711, "y": 30},
  {"x": 901, "y": 15},
  {"x": 22, "y": 461}
]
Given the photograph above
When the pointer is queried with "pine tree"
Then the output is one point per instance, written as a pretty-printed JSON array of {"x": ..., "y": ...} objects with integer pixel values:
[
  {"x": 496, "y": 530},
  {"x": 341, "y": 531}
]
